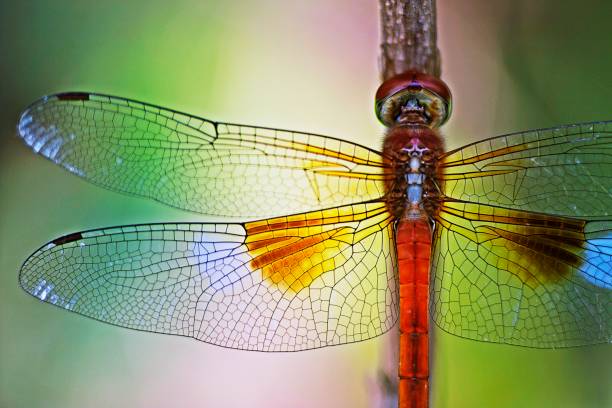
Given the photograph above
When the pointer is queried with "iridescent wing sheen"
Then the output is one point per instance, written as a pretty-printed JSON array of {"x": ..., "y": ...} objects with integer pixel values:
[
  {"x": 565, "y": 171},
  {"x": 197, "y": 164},
  {"x": 284, "y": 284},
  {"x": 523, "y": 278}
]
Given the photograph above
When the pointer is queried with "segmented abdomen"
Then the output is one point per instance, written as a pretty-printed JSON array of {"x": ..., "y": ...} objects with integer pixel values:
[{"x": 413, "y": 238}]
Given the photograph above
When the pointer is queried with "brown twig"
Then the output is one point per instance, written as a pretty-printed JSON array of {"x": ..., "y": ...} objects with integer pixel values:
[{"x": 408, "y": 37}]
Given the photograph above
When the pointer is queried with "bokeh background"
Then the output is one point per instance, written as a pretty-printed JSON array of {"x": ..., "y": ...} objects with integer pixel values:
[{"x": 512, "y": 65}]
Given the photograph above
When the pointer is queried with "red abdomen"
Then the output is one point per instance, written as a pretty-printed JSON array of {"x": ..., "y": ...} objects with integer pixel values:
[{"x": 413, "y": 239}]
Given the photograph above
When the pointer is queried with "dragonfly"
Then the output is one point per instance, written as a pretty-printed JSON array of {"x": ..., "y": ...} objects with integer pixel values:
[{"x": 506, "y": 240}]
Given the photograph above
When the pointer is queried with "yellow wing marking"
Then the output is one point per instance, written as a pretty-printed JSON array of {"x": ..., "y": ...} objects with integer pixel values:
[
  {"x": 331, "y": 153},
  {"x": 474, "y": 174},
  {"x": 293, "y": 251},
  {"x": 450, "y": 160},
  {"x": 536, "y": 247}
]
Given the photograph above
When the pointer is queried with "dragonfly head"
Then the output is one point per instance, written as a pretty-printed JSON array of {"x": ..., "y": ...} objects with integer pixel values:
[{"x": 413, "y": 98}]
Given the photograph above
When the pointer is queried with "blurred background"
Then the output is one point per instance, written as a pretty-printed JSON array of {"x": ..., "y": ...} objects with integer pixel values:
[{"x": 512, "y": 65}]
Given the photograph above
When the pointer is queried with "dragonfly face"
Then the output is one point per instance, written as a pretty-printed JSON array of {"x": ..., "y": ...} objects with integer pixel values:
[{"x": 412, "y": 98}]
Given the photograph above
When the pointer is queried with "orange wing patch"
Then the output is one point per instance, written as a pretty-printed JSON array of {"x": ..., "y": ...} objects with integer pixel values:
[
  {"x": 295, "y": 262},
  {"x": 537, "y": 248},
  {"x": 293, "y": 251}
]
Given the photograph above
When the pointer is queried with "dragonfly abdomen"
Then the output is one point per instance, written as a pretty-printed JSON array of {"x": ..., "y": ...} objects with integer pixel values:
[{"x": 413, "y": 239}]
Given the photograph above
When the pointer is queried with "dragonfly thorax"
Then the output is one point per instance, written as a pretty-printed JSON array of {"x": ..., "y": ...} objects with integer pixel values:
[
  {"x": 411, "y": 154},
  {"x": 415, "y": 176}
]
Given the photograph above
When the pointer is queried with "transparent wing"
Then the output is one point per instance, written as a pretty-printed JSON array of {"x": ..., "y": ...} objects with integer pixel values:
[
  {"x": 522, "y": 278},
  {"x": 197, "y": 164},
  {"x": 282, "y": 284},
  {"x": 565, "y": 171}
]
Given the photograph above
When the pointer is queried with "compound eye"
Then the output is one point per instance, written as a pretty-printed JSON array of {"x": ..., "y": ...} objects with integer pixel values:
[{"x": 425, "y": 91}]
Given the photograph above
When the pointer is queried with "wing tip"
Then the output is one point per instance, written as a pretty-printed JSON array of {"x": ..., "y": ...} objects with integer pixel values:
[{"x": 26, "y": 117}]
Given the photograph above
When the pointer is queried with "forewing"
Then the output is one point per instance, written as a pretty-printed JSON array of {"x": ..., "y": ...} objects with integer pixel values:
[
  {"x": 565, "y": 171},
  {"x": 196, "y": 164},
  {"x": 283, "y": 284},
  {"x": 522, "y": 278}
]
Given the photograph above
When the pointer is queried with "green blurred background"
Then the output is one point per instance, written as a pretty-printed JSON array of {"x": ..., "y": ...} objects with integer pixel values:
[{"x": 512, "y": 65}]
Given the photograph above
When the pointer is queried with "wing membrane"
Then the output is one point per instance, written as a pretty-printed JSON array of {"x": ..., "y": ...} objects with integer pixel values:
[
  {"x": 522, "y": 278},
  {"x": 196, "y": 164},
  {"x": 565, "y": 171},
  {"x": 283, "y": 284}
]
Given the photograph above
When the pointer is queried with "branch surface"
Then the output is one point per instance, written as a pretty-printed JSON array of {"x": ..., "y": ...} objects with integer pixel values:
[{"x": 409, "y": 37}]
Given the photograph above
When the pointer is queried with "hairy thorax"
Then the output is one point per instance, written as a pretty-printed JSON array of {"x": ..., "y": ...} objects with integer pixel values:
[{"x": 411, "y": 154}]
